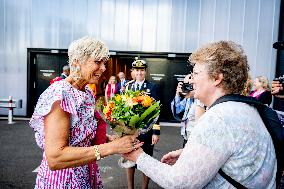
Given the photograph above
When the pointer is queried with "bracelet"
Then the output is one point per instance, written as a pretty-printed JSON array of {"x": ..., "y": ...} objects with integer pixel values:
[{"x": 97, "y": 153}]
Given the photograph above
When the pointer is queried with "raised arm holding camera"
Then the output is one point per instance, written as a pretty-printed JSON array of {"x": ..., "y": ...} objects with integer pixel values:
[
  {"x": 185, "y": 108},
  {"x": 277, "y": 87}
]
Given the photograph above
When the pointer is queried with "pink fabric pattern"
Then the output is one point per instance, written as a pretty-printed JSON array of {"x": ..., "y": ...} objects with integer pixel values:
[{"x": 82, "y": 134}]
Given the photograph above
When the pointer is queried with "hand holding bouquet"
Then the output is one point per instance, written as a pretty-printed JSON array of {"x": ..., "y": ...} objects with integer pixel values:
[{"x": 129, "y": 113}]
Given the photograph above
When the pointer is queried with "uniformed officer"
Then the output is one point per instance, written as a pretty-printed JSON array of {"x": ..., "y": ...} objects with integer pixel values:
[{"x": 152, "y": 136}]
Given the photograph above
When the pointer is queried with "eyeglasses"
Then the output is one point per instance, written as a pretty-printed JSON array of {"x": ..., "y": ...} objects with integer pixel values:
[{"x": 195, "y": 73}]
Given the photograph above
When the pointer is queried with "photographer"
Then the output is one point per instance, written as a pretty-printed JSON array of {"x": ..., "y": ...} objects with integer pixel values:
[
  {"x": 188, "y": 109},
  {"x": 277, "y": 87},
  {"x": 277, "y": 91}
]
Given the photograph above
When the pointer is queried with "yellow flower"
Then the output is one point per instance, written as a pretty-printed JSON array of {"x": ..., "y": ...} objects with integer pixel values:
[
  {"x": 117, "y": 98},
  {"x": 147, "y": 101},
  {"x": 125, "y": 97}
]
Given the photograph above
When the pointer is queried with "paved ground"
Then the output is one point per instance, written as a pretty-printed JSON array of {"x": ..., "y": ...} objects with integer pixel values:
[{"x": 19, "y": 157}]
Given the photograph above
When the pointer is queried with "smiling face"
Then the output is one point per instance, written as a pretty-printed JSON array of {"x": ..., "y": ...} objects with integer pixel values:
[
  {"x": 257, "y": 84},
  {"x": 121, "y": 75},
  {"x": 92, "y": 70},
  {"x": 112, "y": 80},
  {"x": 203, "y": 85},
  {"x": 140, "y": 74}
]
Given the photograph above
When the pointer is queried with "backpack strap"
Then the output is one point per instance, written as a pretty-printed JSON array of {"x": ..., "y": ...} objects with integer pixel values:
[
  {"x": 236, "y": 184},
  {"x": 270, "y": 120}
]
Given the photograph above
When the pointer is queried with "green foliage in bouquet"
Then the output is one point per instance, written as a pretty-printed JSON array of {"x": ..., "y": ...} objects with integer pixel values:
[{"x": 129, "y": 112}]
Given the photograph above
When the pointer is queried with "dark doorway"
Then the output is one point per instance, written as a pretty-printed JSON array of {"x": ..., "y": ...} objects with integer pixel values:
[
  {"x": 164, "y": 69},
  {"x": 43, "y": 65}
]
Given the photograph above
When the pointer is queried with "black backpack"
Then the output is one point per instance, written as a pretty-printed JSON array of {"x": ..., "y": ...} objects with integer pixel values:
[{"x": 273, "y": 125}]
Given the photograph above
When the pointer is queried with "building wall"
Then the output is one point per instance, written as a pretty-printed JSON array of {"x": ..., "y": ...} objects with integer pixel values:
[{"x": 133, "y": 25}]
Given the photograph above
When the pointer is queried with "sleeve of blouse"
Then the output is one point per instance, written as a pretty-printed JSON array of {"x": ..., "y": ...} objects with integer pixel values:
[
  {"x": 56, "y": 92},
  {"x": 193, "y": 169}
]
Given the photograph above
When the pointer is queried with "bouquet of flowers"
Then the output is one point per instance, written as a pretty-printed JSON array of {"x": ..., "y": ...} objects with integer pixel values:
[{"x": 129, "y": 113}]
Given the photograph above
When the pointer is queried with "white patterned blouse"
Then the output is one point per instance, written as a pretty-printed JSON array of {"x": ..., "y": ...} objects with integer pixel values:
[{"x": 231, "y": 136}]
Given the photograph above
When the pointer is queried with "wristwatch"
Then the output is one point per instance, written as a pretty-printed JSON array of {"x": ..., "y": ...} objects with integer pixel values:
[{"x": 97, "y": 153}]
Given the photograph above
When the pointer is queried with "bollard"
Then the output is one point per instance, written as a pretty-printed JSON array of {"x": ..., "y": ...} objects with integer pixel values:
[{"x": 10, "y": 113}]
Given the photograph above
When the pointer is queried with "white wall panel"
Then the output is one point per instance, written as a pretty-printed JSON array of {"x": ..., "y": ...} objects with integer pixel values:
[
  {"x": 250, "y": 37},
  {"x": 265, "y": 41},
  {"x": 134, "y": 25},
  {"x": 149, "y": 25},
  {"x": 222, "y": 20},
  {"x": 206, "y": 32},
  {"x": 178, "y": 23},
  {"x": 121, "y": 25},
  {"x": 273, "y": 56},
  {"x": 107, "y": 20},
  {"x": 236, "y": 22},
  {"x": 163, "y": 26},
  {"x": 192, "y": 25},
  {"x": 65, "y": 31},
  {"x": 79, "y": 18}
]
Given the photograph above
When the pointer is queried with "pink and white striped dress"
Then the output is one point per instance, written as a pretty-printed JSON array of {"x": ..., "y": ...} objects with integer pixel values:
[{"x": 82, "y": 133}]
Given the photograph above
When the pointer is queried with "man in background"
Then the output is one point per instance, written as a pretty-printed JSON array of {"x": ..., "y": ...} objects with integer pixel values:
[
  {"x": 65, "y": 72},
  {"x": 122, "y": 82}
]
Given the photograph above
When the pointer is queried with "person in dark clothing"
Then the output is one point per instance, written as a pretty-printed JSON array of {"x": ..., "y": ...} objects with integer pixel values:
[
  {"x": 65, "y": 72},
  {"x": 122, "y": 82},
  {"x": 151, "y": 137}
]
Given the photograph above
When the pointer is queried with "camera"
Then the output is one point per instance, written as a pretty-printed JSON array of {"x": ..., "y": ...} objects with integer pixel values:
[
  {"x": 280, "y": 79},
  {"x": 186, "y": 87}
]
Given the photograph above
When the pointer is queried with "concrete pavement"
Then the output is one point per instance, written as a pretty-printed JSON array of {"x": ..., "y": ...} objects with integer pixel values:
[{"x": 20, "y": 156}]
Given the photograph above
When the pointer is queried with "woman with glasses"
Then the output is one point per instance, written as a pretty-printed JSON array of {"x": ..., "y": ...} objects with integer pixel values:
[{"x": 229, "y": 136}]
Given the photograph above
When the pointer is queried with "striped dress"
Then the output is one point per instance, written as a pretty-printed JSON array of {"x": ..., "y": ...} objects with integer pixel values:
[{"x": 82, "y": 134}]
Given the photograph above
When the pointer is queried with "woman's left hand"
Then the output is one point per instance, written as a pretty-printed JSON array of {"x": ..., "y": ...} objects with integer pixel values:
[{"x": 133, "y": 156}]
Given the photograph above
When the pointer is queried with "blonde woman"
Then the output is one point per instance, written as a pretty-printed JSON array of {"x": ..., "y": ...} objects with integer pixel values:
[
  {"x": 111, "y": 88},
  {"x": 66, "y": 127},
  {"x": 262, "y": 90}
]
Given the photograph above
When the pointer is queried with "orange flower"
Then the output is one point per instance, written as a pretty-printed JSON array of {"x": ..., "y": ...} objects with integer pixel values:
[
  {"x": 147, "y": 101},
  {"x": 111, "y": 104},
  {"x": 138, "y": 99},
  {"x": 130, "y": 102}
]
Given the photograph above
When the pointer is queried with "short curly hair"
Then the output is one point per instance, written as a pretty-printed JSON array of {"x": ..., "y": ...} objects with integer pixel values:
[
  {"x": 86, "y": 47},
  {"x": 224, "y": 57}
]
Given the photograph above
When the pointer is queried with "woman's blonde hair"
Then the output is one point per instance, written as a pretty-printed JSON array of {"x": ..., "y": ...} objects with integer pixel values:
[
  {"x": 227, "y": 58},
  {"x": 264, "y": 82},
  {"x": 111, "y": 77},
  {"x": 87, "y": 47}
]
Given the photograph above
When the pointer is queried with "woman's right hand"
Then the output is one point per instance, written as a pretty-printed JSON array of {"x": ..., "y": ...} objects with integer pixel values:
[
  {"x": 126, "y": 144},
  {"x": 171, "y": 157}
]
